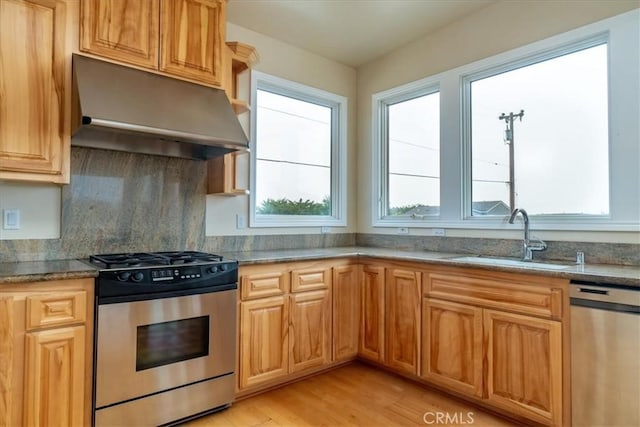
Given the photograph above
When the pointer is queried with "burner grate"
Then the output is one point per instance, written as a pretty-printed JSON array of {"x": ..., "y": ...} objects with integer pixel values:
[
  {"x": 188, "y": 257},
  {"x": 145, "y": 259}
]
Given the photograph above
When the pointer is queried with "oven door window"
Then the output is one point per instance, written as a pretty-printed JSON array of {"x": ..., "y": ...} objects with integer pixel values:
[{"x": 164, "y": 343}]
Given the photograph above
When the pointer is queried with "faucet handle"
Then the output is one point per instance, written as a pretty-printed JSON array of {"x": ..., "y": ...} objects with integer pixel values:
[{"x": 539, "y": 245}]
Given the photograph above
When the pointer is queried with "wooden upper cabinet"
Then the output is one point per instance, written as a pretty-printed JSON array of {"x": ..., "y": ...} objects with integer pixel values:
[
  {"x": 182, "y": 38},
  {"x": 126, "y": 31},
  {"x": 192, "y": 34},
  {"x": 35, "y": 71}
]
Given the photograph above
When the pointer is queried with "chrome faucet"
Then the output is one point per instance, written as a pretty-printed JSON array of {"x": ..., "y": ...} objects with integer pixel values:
[{"x": 528, "y": 247}]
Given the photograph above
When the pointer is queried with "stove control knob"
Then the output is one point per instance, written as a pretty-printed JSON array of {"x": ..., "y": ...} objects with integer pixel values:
[
  {"x": 123, "y": 276},
  {"x": 214, "y": 269},
  {"x": 224, "y": 267},
  {"x": 137, "y": 276}
]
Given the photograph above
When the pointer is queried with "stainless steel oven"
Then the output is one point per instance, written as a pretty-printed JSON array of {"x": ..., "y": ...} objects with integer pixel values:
[{"x": 165, "y": 341}]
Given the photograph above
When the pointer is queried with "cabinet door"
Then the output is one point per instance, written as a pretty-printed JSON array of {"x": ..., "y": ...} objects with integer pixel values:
[
  {"x": 372, "y": 313},
  {"x": 403, "y": 320},
  {"x": 346, "y": 312},
  {"x": 54, "y": 377},
  {"x": 524, "y": 365},
  {"x": 452, "y": 345},
  {"x": 121, "y": 30},
  {"x": 191, "y": 36},
  {"x": 310, "y": 330},
  {"x": 34, "y": 102},
  {"x": 8, "y": 400},
  {"x": 264, "y": 351}
]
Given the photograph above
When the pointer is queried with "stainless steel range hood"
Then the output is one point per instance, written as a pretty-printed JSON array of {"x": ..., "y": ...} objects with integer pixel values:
[{"x": 124, "y": 109}]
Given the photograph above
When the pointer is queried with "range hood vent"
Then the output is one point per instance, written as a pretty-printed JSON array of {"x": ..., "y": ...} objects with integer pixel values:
[{"x": 124, "y": 109}]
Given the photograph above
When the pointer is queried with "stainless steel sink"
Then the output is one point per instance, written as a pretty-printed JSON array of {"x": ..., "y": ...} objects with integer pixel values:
[{"x": 509, "y": 262}]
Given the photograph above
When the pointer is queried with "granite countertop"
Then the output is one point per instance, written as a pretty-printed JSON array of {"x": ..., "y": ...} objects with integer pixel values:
[
  {"x": 611, "y": 274},
  {"x": 32, "y": 271},
  {"x": 35, "y": 271}
]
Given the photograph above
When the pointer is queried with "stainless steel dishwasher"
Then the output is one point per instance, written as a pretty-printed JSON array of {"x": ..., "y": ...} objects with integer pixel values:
[{"x": 605, "y": 354}]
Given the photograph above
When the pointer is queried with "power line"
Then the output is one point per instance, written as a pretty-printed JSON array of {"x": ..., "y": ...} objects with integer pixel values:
[
  {"x": 295, "y": 115},
  {"x": 293, "y": 163},
  {"x": 491, "y": 181},
  {"x": 413, "y": 144},
  {"x": 414, "y": 175}
]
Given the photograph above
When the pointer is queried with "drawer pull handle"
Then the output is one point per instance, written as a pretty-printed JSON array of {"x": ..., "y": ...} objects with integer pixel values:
[{"x": 594, "y": 291}]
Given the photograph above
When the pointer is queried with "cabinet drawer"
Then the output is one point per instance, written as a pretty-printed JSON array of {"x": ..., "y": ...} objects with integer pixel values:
[
  {"x": 56, "y": 309},
  {"x": 261, "y": 285},
  {"x": 503, "y": 294},
  {"x": 310, "y": 280}
]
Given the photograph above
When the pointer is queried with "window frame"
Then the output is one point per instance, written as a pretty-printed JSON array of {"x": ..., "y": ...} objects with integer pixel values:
[
  {"x": 623, "y": 65},
  {"x": 467, "y": 79},
  {"x": 339, "y": 108},
  {"x": 380, "y": 169}
]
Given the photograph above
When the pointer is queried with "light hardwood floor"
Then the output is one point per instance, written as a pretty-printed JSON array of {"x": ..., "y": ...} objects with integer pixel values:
[{"x": 352, "y": 395}]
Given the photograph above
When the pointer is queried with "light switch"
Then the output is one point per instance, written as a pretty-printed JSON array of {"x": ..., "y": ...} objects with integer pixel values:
[{"x": 11, "y": 219}]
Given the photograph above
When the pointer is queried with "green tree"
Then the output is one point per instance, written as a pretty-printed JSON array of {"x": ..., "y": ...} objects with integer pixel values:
[
  {"x": 401, "y": 210},
  {"x": 294, "y": 207}
]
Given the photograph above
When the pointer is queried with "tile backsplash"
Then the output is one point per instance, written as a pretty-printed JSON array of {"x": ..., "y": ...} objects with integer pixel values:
[{"x": 119, "y": 202}]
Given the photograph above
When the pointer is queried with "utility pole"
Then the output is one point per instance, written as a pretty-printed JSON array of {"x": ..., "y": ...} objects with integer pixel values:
[{"x": 509, "y": 138}]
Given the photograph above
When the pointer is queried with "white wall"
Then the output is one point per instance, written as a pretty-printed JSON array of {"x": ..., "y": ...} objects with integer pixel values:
[
  {"x": 39, "y": 206},
  {"x": 291, "y": 63},
  {"x": 497, "y": 28}
]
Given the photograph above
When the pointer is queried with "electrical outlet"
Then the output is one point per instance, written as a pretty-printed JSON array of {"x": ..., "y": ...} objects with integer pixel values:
[
  {"x": 241, "y": 221},
  {"x": 402, "y": 230},
  {"x": 11, "y": 219},
  {"x": 324, "y": 229},
  {"x": 437, "y": 232}
]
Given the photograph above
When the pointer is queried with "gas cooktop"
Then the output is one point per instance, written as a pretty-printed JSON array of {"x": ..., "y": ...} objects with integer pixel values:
[
  {"x": 151, "y": 259},
  {"x": 139, "y": 275}
]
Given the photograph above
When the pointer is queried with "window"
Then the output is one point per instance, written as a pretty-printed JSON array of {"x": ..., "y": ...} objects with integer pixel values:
[
  {"x": 300, "y": 156},
  {"x": 539, "y": 135},
  {"x": 576, "y": 157},
  {"x": 409, "y": 147}
]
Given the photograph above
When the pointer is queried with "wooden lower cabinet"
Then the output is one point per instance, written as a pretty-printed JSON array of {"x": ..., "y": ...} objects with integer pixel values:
[
  {"x": 310, "y": 330},
  {"x": 524, "y": 365},
  {"x": 46, "y": 349},
  {"x": 372, "y": 313},
  {"x": 390, "y": 317},
  {"x": 494, "y": 337},
  {"x": 510, "y": 360},
  {"x": 452, "y": 345},
  {"x": 346, "y": 312},
  {"x": 54, "y": 377},
  {"x": 287, "y": 334},
  {"x": 402, "y": 302},
  {"x": 264, "y": 349}
]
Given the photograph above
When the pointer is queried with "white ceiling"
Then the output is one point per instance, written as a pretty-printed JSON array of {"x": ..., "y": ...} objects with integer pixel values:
[{"x": 352, "y": 32}]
